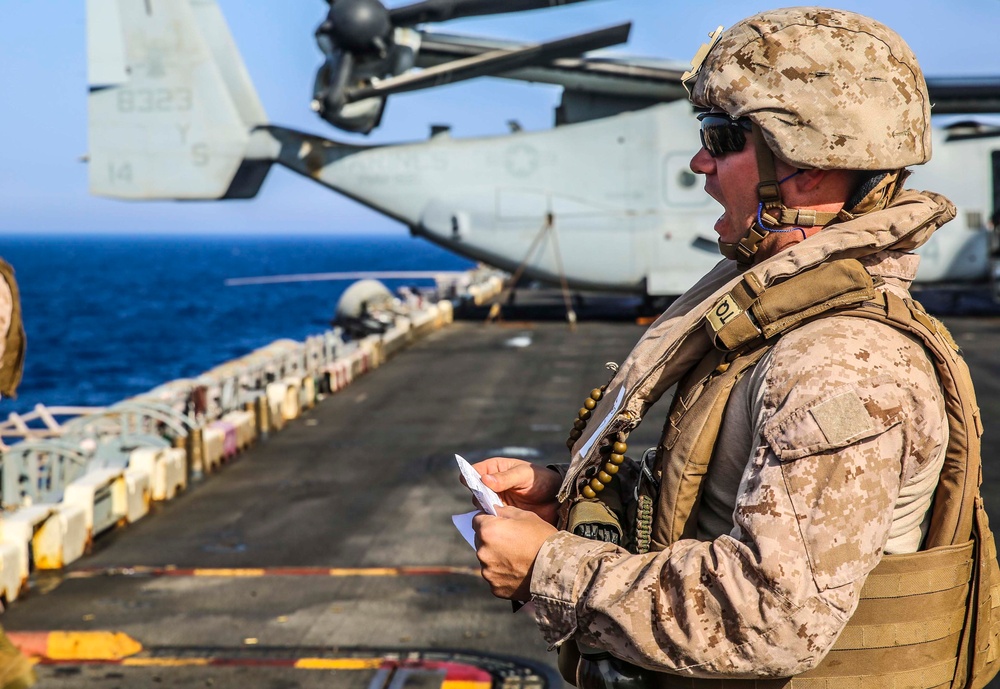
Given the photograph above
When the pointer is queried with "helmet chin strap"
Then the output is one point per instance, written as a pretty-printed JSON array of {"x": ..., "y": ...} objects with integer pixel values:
[{"x": 772, "y": 215}]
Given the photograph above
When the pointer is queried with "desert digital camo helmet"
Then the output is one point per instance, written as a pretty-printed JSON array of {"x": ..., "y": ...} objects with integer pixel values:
[{"x": 823, "y": 88}]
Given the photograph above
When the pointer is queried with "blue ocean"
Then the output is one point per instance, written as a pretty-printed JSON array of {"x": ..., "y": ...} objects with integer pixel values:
[{"x": 109, "y": 317}]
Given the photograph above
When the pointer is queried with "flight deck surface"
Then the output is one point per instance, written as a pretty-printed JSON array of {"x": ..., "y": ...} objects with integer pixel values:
[{"x": 326, "y": 556}]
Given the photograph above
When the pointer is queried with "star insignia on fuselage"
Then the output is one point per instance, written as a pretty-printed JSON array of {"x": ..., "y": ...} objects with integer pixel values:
[{"x": 521, "y": 160}]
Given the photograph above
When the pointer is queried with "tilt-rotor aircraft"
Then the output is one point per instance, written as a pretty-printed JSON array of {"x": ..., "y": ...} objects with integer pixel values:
[{"x": 604, "y": 199}]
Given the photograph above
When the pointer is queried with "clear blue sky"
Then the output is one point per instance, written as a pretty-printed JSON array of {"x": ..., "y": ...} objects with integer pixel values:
[{"x": 43, "y": 187}]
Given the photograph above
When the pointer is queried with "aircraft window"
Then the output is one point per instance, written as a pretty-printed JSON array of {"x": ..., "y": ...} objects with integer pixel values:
[{"x": 681, "y": 187}]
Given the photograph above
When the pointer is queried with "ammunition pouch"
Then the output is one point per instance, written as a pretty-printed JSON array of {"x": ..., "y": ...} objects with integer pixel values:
[{"x": 595, "y": 519}]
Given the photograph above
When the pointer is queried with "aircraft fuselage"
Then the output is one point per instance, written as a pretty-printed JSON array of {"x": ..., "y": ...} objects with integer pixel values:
[{"x": 611, "y": 203}]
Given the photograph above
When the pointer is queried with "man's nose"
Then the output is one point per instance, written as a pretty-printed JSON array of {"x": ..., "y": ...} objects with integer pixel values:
[{"x": 702, "y": 163}]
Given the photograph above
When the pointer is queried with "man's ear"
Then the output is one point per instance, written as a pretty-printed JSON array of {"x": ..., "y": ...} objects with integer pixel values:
[
  {"x": 809, "y": 180},
  {"x": 824, "y": 186}
]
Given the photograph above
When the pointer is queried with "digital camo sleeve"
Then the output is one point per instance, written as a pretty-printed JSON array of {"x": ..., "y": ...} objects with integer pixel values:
[{"x": 849, "y": 410}]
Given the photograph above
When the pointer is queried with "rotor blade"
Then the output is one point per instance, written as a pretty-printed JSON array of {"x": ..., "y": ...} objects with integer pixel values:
[
  {"x": 358, "y": 275},
  {"x": 654, "y": 79},
  {"x": 443, "y": 10},
  {"x": 494, "y": 62},
  {"x": 964, "y": 94}
]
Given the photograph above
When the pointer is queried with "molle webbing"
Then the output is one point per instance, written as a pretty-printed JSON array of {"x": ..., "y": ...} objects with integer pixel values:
[
  {"x": 12, "y": 361},
  {"x": 750, "y": 314},
  {"x": 907, "y": 627},
  {"x": 904, "y": 633},
  {"x": 925, "y": 620}
]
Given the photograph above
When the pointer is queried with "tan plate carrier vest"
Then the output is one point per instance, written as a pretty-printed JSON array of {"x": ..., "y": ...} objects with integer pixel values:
[
  {"x": 926, "y": 620},
  {"x": 12, "y": 361}
]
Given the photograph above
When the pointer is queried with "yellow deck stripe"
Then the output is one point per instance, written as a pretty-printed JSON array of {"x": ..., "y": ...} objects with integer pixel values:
[
  {"x": 166, "y": 662},
  {"x": 334, "y": 572},
  {"x": 339, "y": 664},
  {"x": 464, "y": 684},
  {"x": 245, "y": 572},
  {"x": 171, "y": 570},
  {"x": 91, "y": 646},
  {"x": 365, "y": 572}
]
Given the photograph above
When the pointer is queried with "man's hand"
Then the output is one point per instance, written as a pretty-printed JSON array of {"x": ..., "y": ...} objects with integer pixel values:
[
  {"x": 507, "y": 546},
  {"x": 523, "y": 485}
]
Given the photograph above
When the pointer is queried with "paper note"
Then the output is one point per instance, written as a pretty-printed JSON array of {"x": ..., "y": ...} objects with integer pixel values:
[
  {"x": 487, "y": 499},
  {"x": 463, "y": 522}
]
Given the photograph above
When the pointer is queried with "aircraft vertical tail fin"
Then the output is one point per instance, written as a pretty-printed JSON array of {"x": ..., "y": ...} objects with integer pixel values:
[{"x": 171, "y": 106}]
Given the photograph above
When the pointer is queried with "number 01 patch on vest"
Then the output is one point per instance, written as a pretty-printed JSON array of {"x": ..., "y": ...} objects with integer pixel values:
[{"x": 725, "y": 310}]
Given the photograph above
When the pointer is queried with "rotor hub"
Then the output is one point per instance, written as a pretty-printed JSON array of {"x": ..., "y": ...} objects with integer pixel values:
[{"x": 360, "y": 26}]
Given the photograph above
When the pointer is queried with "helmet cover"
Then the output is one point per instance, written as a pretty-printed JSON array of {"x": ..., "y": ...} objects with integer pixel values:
[{"x": 830, "y": 89}]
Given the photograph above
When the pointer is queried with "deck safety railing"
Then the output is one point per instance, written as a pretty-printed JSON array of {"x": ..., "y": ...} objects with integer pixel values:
[{"x": 98, "y": 466}]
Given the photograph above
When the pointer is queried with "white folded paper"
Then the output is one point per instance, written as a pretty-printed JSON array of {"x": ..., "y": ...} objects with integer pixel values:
[
  {"x": 485, "y": 496},
  {"x": 487, "y": 499}
]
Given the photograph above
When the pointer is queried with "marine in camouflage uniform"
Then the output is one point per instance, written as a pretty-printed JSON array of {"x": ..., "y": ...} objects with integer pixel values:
[
  {"x": 15, "y": 669},
  {"x": 12, "y": 341},
  {"x": 830, "y": 447}
]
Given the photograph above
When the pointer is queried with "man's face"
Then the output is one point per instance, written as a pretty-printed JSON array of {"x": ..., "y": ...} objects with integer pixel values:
[{"x": 731, "y": 179}]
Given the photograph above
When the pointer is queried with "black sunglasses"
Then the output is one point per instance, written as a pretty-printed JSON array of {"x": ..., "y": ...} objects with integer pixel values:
[{"x": 721, "y": 134}]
